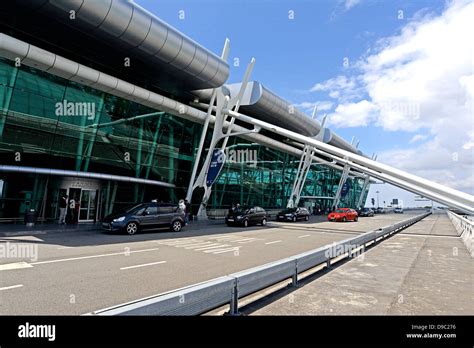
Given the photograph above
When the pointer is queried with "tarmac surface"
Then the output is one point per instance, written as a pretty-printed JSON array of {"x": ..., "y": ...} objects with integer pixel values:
[
  {"x": 82, "y": 270},
  {"x": 423, "y": 270}
]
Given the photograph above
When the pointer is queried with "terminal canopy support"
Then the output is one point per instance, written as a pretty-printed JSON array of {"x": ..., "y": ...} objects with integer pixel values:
[
  {"x": 301, "y": 175},
  {"x": 222, "y": 101},
  {"x": 362, "y": 193},
  {"x": 426, "y": 188},
  {"x": 344, "y": 176}
]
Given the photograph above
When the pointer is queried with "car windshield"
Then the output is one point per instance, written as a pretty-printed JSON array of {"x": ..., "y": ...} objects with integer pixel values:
[
  {"x": 129, "y": 209},
  {"x": 340, "y": 211},
  {"x": 134, "y": 209},
  {"x": 288, "y": 211}
]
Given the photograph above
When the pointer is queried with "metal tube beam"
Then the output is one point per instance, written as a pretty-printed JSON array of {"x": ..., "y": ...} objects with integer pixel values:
[
  {"x": 419, "y": 184},
  {"x": 412, "y": 188}
]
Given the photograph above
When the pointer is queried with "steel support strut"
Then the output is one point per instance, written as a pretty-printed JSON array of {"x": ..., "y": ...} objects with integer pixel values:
[
  {"x": 226, "y": 102},
  {"x": 399, "y": 178}
]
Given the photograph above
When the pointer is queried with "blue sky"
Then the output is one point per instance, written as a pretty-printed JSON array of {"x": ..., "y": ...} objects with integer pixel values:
[{"x": 294, "y": 55}]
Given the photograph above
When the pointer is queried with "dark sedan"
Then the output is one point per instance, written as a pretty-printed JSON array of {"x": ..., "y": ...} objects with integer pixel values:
[
  {"x": 145, "y": 216},
  {"x": 247, "y": 216},
  {"x": 366, "y": 212},
  {"x": 293, "y": 214}
]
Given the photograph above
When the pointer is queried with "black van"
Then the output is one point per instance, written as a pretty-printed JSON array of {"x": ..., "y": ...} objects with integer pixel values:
[
  {"x": 247, "y": 216},
  {"x": 145, "y": 216}
]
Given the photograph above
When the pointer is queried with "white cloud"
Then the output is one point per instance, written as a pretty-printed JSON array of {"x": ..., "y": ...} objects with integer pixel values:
[
  {"x": 340, "y": 82},
  {"x": 469, "y": 144},
  {"x": 418, "y": 137},
  {"x": 309, "y": 106},
  {"x": 348, "y": 4},
  {"x": 422, "y": 78},
  {"x": 343, "y": 6},
  {"x": 353, "y": 114}
]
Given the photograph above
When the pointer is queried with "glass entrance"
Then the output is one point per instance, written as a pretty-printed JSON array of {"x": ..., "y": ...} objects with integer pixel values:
[{"x": 88, "y": 205}]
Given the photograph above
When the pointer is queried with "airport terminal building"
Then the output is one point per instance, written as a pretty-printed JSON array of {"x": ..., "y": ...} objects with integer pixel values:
[{"x": 111, "y": 111}]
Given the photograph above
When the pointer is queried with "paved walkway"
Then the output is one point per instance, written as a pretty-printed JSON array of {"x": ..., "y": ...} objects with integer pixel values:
[
  {"x": 8, "y": 230},
  {"x": 424, "y": 270}
]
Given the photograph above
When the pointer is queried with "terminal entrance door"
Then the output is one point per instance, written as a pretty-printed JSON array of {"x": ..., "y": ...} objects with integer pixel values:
[
  {"x": 87, "y": 203},
  {"x": 88, "y": 208}
]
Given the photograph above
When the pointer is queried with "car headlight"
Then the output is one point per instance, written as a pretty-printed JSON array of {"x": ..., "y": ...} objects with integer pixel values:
[
  {"x": 119, "y": 219},
  {"x": 239, "y": 217},
  {"x": 288, "y": 214}
]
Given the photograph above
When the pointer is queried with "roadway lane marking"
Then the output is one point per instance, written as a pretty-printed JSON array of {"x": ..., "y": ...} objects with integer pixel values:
[
  {"x": 192, "y": 244},
  {"x": 214, "y": 247},
  {"x": 64, "y": 247},
  {"x": 92, "y": 256},
  {"x": 11, "y": 287},
  {"x": 14, "y": 265},
  {"x": 226, "y": 238},
  {"x": 275, "y": 241},
  {"x": 304, "y": 236},
  {"x": 176, "y": 242},
  {"x": 220, "y": 251},
  {"x": 202, "y": 246},
  {"x": 143, "y": 265}
]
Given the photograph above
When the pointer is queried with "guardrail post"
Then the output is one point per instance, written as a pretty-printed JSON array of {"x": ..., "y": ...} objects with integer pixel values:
[
  {"x": 234, "y": 300},
  {"x": 294, "y": 279},
  {"x": 328, "y": 262}
]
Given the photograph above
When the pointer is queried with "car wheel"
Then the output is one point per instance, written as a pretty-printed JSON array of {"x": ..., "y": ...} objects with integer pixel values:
[
  {"x": 264, "y": 222},
  {"x": 294, "y": 218},
  {"x": 306, "y": 218},
  {"x": 131, "y": 228},
  {"x": 344, "y": 219},
  {"x": 176, "y": 226},
  {"x": 356, "y": 218},
  {"x": 246, "y": 223}
]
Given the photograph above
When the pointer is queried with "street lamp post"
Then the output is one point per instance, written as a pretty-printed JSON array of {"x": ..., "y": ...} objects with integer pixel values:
[{"x": 377, "y": 192}]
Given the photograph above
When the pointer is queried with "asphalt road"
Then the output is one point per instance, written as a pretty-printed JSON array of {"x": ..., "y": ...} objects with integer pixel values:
[{"x": 79, "y": 272}]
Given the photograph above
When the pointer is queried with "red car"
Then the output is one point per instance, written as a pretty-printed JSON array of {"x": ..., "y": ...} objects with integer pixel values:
[{"x": 343, "y": 214}]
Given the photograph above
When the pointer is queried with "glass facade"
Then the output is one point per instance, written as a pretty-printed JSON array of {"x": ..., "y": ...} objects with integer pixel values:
[{"x": 50, "y": 122}]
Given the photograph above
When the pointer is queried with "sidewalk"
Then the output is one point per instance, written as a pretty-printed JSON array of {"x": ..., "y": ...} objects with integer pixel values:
[
  {"x": 424, "y": 270},
  {"x": 8, "y": 230}
]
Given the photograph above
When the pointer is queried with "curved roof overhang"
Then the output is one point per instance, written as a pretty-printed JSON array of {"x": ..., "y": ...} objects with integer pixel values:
[
  {"x": 259, "y": 102},
  {"x": 127, "y": 27}
]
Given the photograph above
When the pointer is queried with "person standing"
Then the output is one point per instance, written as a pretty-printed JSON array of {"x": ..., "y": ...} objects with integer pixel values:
[
  {"x": 62, "y": 209},
  {"x": 72, "y": 210},
  {"x": 187, "y": 211},
  {"x": 78, "y": 207}
]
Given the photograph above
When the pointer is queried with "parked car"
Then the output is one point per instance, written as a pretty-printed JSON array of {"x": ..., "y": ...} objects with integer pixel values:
[
  {"x": 293, "y": 214},
  {"x": 398, "y": 210},
  {"x": 247, "y": 216},
  {"x": 380, "y": 210},
  {"x": 145, "y": 216},
  {"x": 343, "y": 214},
  {"x": 366, "y": 212}
]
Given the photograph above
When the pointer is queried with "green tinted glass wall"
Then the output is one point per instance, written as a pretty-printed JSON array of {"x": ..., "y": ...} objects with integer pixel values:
[{"x": 158, "y": 147}]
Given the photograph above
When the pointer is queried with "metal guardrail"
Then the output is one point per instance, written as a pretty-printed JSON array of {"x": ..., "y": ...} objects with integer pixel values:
[
  {"x": 204, "y": 297},
  {"x": 465, "y": 228}
]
